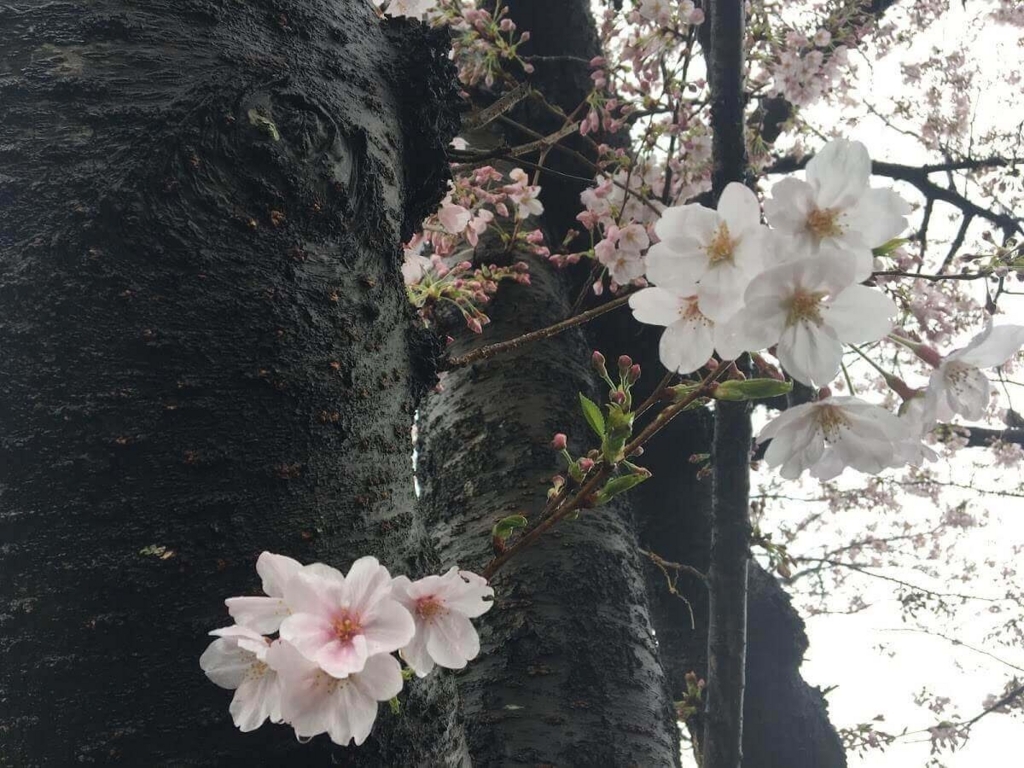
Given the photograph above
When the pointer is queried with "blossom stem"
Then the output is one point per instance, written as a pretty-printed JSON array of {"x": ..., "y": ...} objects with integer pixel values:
[
  {"x": 585, "y": 494},
  {"x": 483, "y": 353},
  {"x": 846, "y": 375}
]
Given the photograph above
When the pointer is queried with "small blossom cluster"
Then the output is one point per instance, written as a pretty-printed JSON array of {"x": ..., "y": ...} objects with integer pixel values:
[
  {"x": 430, "y": 283},
  {"x": 725, "y": 283},
  {"x": 484, "y": 200},
  {"x": 332, "y": 660},
  {"x": 483, "y": 43}
]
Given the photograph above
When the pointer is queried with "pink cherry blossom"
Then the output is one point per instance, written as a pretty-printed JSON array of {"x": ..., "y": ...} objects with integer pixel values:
[
  {"x": 237, "y": 660},
  {"x": 442, "y": 606},
  {"x": 338, "y": 621},
  {"x": 314, "y": 702},
  {"x": 265, "y": 614},
  {"x": 689, "y": 338}
]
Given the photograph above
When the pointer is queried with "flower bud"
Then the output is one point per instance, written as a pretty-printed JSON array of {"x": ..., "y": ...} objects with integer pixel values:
[
  {"x": 597, "y": 360},
  {"x": 586, "y": 465},
  {"x": 474, "y": 325},
  {"x": 617, "y": 396},
  {"x": 633, "y": 376},
  {"x": 559, "y": 442},
  {"x": 625, "y": 362}
]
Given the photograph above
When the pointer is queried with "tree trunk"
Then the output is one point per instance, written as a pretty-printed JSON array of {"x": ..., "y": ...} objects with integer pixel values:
[
  {"x": 785, "y": 721},
  {"x": 205, "y": 352},
  {"x": 569, "y": 674}
]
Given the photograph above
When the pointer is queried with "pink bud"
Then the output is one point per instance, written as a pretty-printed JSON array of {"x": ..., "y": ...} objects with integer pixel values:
[
  {"x": 586, "y": 465},
  {"x": 524, "y": 37},
  {"x": 625, "y": 362},
  {"x": 474, "y": 325},
  {"x": 617, "y": 396},
  {"x": 634, "y": 374},
  {"x": 559, "y": 442},
  {"x": 597, "y": 360}
]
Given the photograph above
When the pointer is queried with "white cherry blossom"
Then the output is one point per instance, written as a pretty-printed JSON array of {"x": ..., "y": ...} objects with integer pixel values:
[
  {"x": 314, "y": 702},
  {"x": 339, "y": 622},
  {"x": 690, "y": 337},
  {"x": 719, "y": 250},
  {"x": 442, "y": 607},
  {"x": 829, "y": 435},
  {"x": 808, "y": 308},
  {"x": 237, "y": 660},
  {"x": 835, "y": 212},
  {"x": 958, "y": 385}
]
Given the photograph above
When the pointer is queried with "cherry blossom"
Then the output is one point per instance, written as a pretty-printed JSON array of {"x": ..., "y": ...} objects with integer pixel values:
[
  {"x": 340, "y": 621},
  {"x": 237, "y": 660},
  {"x": 690, "y": 337},
  {"x": 958, "y": 385},
  {"x": 523, "y": 194},
  {"x": 442, "y": 606},
  {"x": 315, "y": 702},
  {"x": 829, "y": 435},
  {"x": 265, "y": 614},
  {"x": 808, "y": 308},
  {"x": 719, "y": 250},
  {"x": 835, "y": 212}
]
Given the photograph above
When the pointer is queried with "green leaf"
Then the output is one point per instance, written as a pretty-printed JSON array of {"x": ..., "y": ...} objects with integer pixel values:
[
  {"x": 751, "y": 389},
  {"x": 503, "y": 528},
  {"x": 396, "y": 707},
  {"x": 618, "y": 485},
  {"x": 887, "y": 248},
  {"x": 592, "y": 414}
]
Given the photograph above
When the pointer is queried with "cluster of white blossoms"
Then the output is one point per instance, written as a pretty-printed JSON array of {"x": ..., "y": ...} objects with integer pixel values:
[
  {"x": 724, "y": 282},
  {"x": 332, "y": 660}
]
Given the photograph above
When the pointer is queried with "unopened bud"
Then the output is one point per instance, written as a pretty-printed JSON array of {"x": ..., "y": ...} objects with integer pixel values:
[
  {"x": 625, "y": 362},
  {"x": 617, "y": 396},
  {"x": 474, "y": 325},
  {"x": 634, "y": 374},
  {"x": 824, "y": 393},
  {"x": 559, "y": 442},
  {"x": 597, "y": 360},
  {"x": 586, "y": 465}
]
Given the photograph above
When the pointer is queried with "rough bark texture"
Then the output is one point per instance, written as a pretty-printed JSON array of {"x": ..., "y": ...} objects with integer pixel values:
[
  {"x": 569, "y": 674},
  {"x": 205, "y": 352}
]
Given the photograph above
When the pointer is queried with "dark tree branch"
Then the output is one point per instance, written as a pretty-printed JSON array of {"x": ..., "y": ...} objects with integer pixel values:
[{"x": 730, "y": 532}]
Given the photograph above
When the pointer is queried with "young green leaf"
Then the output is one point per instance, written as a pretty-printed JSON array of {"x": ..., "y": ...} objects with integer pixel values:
[
  {"x": 592, "y": 413},
  {"x": 618, "y": 485},
  {"x": 504, "y": 527}
]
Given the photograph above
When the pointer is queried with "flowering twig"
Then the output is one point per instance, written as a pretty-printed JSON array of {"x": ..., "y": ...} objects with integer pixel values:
[{"x": 586, "y": 493}]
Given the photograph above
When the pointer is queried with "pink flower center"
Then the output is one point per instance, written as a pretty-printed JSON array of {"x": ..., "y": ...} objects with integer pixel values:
[
  {"x": 346, "y": 627},
  {"x": 822, "y": 222},
  {"x": 428, "y": 607}
]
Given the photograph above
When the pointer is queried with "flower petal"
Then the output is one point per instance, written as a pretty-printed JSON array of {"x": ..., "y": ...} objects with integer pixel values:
[
  {"x": 387, "y": 627},
  {"x": 860, "y": 314},
  {"x": 655, "y": 306},
  {"x": 262, "y": 614},
  {"x": 686, "y": 345},
  {"x": 739, "y": 209},
  {"x": 275, "y": 570},
  {"x": 839, "y": 173},
  {"x": 810, "y": 353}
]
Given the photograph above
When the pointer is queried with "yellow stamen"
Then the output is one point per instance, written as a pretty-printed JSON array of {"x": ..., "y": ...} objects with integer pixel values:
[
  {"x": 822, "y": 222},
  {"x": 721, "y": 246},
  {"x": 832, "y": 421},
  {"x": 804, "y": 307}
]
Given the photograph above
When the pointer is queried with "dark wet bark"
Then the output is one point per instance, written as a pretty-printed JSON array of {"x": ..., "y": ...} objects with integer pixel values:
[
  {"x": 205, "y": 353},
  {"x": 569, "y": 673},
  {"x": 732, "y": 438}
]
